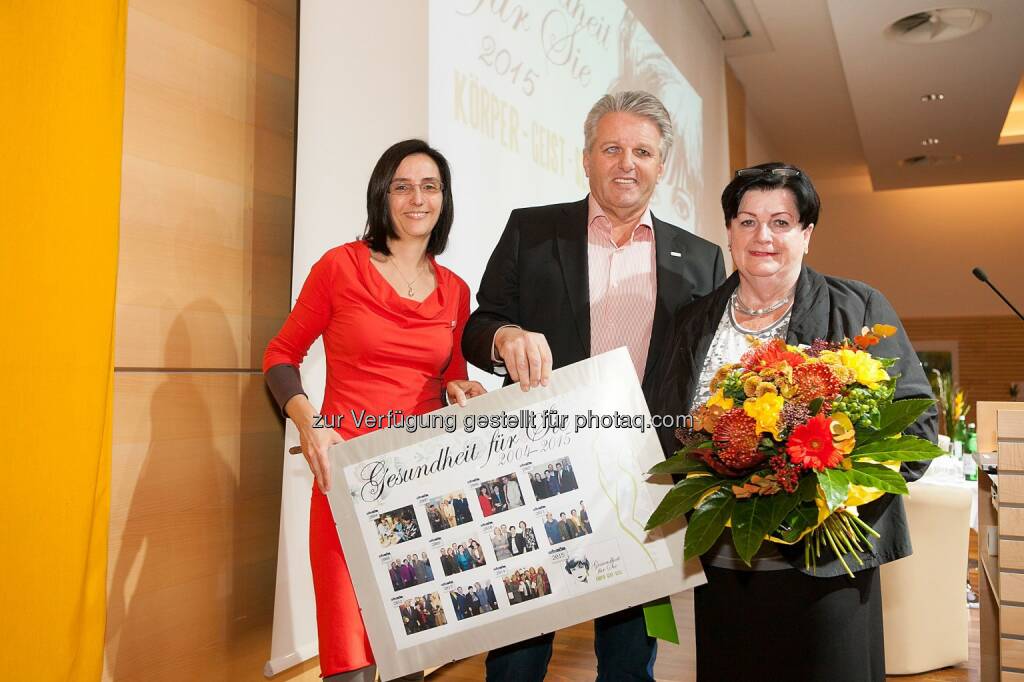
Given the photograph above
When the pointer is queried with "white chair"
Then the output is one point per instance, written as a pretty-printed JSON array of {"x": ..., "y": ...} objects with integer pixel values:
[{"x": 924, "y": 604}]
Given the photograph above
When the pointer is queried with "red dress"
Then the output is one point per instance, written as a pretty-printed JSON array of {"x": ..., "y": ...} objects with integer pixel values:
[{"x": 384, "y": 352}]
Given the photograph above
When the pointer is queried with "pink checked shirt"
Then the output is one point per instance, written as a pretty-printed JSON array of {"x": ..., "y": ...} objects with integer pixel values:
[{"x": 623, "y": 286}]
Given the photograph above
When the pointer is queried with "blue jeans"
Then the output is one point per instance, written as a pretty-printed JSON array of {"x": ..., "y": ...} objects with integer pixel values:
[{"x": 624, "y": 652}]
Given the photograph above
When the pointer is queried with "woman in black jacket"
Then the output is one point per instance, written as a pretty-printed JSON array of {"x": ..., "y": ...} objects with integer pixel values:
[{"x": 776, "y": 619}]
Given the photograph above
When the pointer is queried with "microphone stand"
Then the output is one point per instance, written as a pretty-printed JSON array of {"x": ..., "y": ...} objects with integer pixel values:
[{"x": 980, "y": 274}]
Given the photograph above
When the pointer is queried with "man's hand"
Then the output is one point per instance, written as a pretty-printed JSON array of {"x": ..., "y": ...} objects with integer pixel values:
[{"x": 526, "y": 355}]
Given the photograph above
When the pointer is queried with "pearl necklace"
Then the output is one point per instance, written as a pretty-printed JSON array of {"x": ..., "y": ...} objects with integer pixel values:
[{"x": 757, "y": 312}]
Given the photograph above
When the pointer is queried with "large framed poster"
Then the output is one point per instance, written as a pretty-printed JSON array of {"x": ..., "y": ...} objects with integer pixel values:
[{"x": 471, "y": 528}]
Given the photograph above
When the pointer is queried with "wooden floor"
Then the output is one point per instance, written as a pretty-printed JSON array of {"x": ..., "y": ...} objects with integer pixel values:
[{"x": 574, "y": 660}]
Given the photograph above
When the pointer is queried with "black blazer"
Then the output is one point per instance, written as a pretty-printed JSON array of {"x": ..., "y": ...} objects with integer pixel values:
[
  {"x": 537, "y": 278},
  {"x": 823, "y": 308}
]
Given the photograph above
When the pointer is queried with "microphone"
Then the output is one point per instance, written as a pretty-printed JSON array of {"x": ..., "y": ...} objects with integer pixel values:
[{"x": 980, "y": 274}]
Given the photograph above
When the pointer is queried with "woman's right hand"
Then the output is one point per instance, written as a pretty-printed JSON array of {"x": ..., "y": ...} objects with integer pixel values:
[{"x": 314, "y": 442}]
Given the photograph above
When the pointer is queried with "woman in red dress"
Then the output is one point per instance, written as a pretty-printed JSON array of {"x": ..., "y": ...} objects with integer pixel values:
[{"x": 391, "y": 319}]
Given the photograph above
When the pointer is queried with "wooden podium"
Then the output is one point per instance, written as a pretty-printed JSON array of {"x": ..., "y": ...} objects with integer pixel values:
[{"x": 1001, "y": 529}]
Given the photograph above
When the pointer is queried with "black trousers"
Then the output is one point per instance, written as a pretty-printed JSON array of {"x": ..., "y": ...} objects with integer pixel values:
[{"x": 787, "y": 626}]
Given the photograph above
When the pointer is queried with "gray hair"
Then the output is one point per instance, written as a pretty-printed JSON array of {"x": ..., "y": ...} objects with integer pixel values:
[{"x": 636, "y": 102}]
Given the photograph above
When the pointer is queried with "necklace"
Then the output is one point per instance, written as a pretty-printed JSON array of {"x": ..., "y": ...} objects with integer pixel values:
[
  {"x": 757, "y": 312},
  {"x": 408, "y": 283}
]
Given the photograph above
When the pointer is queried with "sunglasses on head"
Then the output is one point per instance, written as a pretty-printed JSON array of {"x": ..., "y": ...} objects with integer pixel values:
[{"x": 755, "y": 172}]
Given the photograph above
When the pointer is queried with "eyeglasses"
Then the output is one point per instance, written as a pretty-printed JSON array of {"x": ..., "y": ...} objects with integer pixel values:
[
  {"x": 401, "y": 187},
  {"x": 777, "y": 225},
  {"x": 755, "y": 172}
]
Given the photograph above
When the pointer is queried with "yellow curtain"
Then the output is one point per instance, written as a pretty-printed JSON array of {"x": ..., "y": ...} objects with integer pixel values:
[{"x": 61, "y": 104}]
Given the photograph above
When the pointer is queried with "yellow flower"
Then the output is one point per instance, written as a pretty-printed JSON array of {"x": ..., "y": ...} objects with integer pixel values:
[
  {"x": 883, "y": 330},
  {"x": 958, "y": 405},
  {"x": 866, "y": 369},
  {"x": 718, "y": 398},
  {"x": 765, "y": 410}
]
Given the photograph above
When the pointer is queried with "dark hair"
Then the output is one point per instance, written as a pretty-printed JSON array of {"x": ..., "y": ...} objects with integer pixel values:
[
  {"x": 576, "y": 563},
  {"x": 807, "y": 201},
  {"x": 378, "y": 216}
]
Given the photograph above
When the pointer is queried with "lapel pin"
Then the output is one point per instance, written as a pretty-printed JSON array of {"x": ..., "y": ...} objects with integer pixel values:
[{"x": 675, "y": 253}]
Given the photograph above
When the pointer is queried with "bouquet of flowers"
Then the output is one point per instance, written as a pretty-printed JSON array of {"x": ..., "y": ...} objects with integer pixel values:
[{"x": 790, "y": 443}]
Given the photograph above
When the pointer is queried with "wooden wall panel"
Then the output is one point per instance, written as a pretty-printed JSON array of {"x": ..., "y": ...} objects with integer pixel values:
[
  {"x": 204, "y": 282},
  {"x": 736, "y": 105},
  {"x": 207, "y": 183},
  {"x": 991, "y": 351}
]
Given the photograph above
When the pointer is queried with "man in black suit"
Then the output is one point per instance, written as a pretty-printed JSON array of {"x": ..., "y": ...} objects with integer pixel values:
[{"x": 568, "y": 281}]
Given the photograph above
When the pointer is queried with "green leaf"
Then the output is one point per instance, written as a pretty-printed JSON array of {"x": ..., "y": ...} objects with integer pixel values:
[
  {"x": 815, "y": 406},
  {"x": 878, "y": 476},
  {"x": 681, "y": 499},
  {"x": 836, "y": 484},
  {"x": 800, "y": 519},
  {"x": 895, "y": 417},
  {"x": 707, "y": 523},
  {"x": 749, "y": 524},
  {"x": 886, "y": 362},
  {"x": 905, "y": 449},
  {"x": 680, "y": 463},
  {"x": 754, "y": 518},
  {"x": 808, "y": 488}
]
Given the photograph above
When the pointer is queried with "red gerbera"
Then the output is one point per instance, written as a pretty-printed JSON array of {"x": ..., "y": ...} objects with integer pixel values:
[
  {"x": 736, "y": 440},
  {"x": 816, "y": 380},
  {"x": 771, "y": 354},
  {"x": 810, "y": 445}
]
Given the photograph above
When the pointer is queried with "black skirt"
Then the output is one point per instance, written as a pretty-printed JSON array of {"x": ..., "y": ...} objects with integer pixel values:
[{"x": 787, "y": 626}]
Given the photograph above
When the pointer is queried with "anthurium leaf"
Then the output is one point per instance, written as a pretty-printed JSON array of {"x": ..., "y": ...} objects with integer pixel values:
[
  {"x": 836, "y": 485},
  {"x": 681, "y": 499},
  {"x": 896, "y": 416},
  {"x": 877, "y": 476},
  {"x": 903, "y": 449},
  {"x": 800, "y": 519},
  {"x": 707, "y": 523}
]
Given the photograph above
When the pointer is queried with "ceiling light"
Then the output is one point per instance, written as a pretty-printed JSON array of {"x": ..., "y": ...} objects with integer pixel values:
[
  {"x": 933, "y": 97},
  {"x": 937, "y": 25},
  {"x": 929, "y": 141}
]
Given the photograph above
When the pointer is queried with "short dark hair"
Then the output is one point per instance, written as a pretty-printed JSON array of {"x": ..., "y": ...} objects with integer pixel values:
[
  {"x": 378, "y": 216},
  {"x": 807, "y": 201}
]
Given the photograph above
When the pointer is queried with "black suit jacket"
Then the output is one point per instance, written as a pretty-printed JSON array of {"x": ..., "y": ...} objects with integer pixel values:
[
  {"x": 827, "y": 308},
  {"x": 537, "y": 278}
]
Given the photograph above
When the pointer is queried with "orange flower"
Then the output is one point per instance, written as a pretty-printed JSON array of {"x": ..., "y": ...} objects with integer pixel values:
[
  {"x": 736, "y": 440},
  {"x": 816, "y": 380},
  {"x": 865, "y": 342},
  {"x": 769, "y": 355},
  {"x": 810, "y": 445}
]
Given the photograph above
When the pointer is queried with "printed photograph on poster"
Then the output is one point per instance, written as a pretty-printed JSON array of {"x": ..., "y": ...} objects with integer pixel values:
[
  {"x": 472, "y": 599},
  {"x": 592, "y": 566},
  {"x": 527, "y": 584},
  {"x": 563, "y": 523},
  {"x": 448, "y": 511},
  {"x": 397, "y": 526},
  {"x": 461, "y": 555},
  {"x": 422, "y": 613},
  {"x": 413, "y": 570},
  {"x": 553, "y": 478},
  {"x": 513, "y": 539},
  {"x": 500, "y": 494}
]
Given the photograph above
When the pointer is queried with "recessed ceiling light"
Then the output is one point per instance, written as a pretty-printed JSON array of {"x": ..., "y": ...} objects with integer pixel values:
[
  {"x": 929, "y": 141},
  {"x": 933, "y": 97}
]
